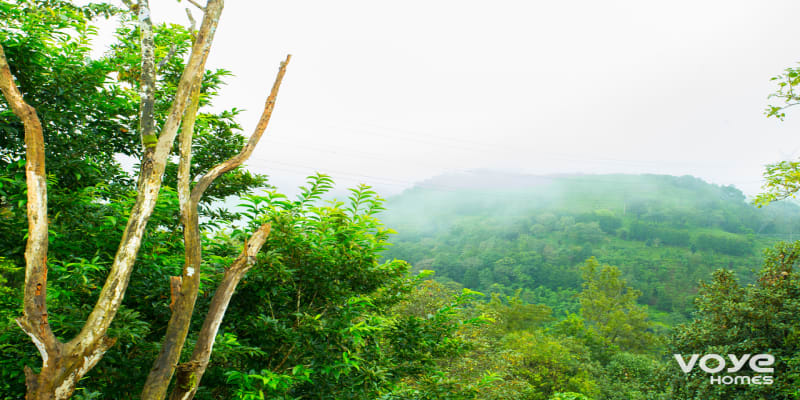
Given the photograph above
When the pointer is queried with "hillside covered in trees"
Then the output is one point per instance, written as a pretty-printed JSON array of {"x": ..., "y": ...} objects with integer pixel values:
[
  {"x": 499, "y": 232},
  {"x": 594, "y": 282},
  {"x": 136, "y": 283}
]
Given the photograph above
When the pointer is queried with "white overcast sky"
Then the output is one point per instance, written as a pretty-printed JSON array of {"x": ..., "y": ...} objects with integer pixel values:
[{"x": 390, "y": 93}]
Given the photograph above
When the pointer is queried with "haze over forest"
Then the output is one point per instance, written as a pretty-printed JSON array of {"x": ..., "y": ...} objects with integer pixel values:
[
  {"x": 455, "y": 200},
  {"x": 393, "y": 94},
  {"x": 463, "y": 225}
]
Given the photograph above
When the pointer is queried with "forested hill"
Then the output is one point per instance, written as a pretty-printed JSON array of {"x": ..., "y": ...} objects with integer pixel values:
[{"x": 498, "y": 232}]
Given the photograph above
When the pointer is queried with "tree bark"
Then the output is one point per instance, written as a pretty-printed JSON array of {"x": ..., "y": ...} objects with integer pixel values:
[
  {"x": 158, "y": 379},
  {"x": 147, "y": 85},
  {"x": 34, "y": 319},
  {"x": 58, "y": 367},
  {"x": 153, "y": 170},
  {"x": 191, "y": 372},
  {"x": 63, "y": 364},
  {"x": 164, "y": 367}
]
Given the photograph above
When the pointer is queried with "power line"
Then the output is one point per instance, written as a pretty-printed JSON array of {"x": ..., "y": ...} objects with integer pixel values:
[{"x": 304, "y": 168}]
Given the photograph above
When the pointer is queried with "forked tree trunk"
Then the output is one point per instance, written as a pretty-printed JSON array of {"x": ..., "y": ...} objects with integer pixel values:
[
  {"x": 191, "y": 372},
  {"x": 63, "y": 364},
  {"x": 164, "y": 367}
]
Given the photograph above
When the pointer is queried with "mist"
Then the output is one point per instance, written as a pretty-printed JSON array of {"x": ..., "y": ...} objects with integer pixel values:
[
  {"x": 515, "y": 201},
  {"x": 391, "y": 95}
]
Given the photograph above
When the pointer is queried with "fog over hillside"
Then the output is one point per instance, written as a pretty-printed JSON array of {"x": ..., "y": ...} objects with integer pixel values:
[
  {"x": 511, "y": 194},
  {"x": 502, "y": 233}
]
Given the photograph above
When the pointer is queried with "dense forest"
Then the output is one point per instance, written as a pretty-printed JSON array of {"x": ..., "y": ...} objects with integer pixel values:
[
  {"x": 120, "y": 282},
  {"x": 501, "y": 233},
  {"x": 616, "y": 271}
]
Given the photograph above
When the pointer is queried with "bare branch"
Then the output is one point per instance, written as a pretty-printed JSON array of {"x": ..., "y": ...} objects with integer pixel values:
[
  {"x": 192, "y": 22},
  {"x": 185, "y": 139},
  {"x": 166, "y": 58},
  {"x": 190, "y": 373},
  {"x": 63, "y": 365},
  {"x": 240, "y": 158},
  {"x": 184, "y": 298},
  {"x": 174, "y": 290},
  {"x": 164, "y": 366},
  {"x": 197, "y": 60},
  {"x": 152, "y": 171},
  {"x": 194, "y": 3}
]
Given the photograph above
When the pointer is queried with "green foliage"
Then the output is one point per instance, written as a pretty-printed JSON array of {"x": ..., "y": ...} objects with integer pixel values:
[
  {"x": 650, "y": 232},
  {"x": 553, "y": 364},
  {"x": 317, "y": 298},
  {"x": 433, "y": 338},
  {"x": 753, "y": 319},
  {"x": 664, "y": 233},
  {"x": 609, "y": 305},
  {"x": 516, "y": 314},
  {"x": 84, "y": 116},
  {"x": 88, "y": 109},
  {"x": 723, "y": 243},
  {"x": 319, "y": 301},
  {"x": 586, "y": 232},
  {"x": 12, "y": 355},
  {"x": 633, "y": 377},
  {"x": 328, "y": 311},
  {"x": 267, "y": 384},
  {"x": 569, "y": 396},
  {"x": 607, "y": 220},
  {"x": 527, "y": 359},
  {"x": 419, "y": 340},
  {"x": 782, "y": 181},
  {"x": 788, "y": 82}
]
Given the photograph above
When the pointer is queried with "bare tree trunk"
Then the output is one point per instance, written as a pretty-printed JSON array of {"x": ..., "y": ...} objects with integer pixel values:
[
  {"x": 63, "y": 364},
  {"x": 34, "y": 319},
  {"x": 189, "y": 282},
  {"x": 147, "y": 86},
  {"x": 190, "y": 373},
  {"x": 58, "y": 366},
  {"x": 164, "y": 367}
]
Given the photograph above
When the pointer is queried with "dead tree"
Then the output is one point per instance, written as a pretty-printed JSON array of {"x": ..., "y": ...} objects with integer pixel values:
[
  {"x": 164, "y": 367},
  {"x": 65, "y": 363}
]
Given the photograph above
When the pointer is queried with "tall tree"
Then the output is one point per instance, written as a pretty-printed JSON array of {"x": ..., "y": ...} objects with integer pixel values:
[
  {"x": 751, "y": 319},
  {"x": 66, "y": 362},
  {"x": 609, "y": 305}
]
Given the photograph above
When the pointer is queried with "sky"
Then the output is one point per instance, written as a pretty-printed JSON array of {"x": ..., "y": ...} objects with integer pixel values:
[{"x": 392, "y": 93}]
